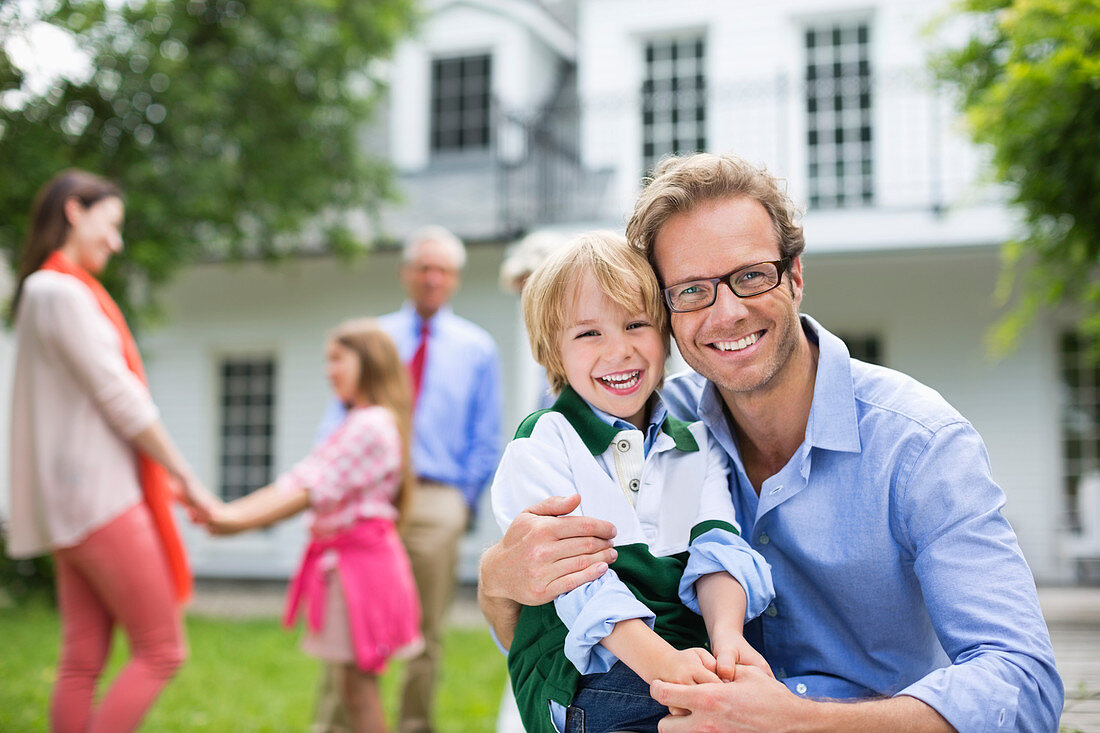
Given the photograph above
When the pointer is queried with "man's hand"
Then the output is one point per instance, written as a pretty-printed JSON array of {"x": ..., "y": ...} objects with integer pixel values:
[
  {"x": 542, "y": 555},
  {"x": 752, "y": 702}
]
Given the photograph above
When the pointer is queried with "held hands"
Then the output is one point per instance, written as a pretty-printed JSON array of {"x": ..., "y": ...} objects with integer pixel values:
[
  {"x": 738, "y": 652},
  {"x": 195, "y": 496},
  {"x": 225, "y": 520},
  {"x": 687, "y": 666},
  {"x": 754, "y": 701}
]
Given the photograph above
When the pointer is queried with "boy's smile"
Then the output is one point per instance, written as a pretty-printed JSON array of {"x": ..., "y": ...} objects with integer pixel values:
[{"x": 613, "y": 358}]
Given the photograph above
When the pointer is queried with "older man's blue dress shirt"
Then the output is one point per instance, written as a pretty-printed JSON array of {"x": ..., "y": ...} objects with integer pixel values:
[
  {"x": 456, "y": 426},
  {"x": 895, "y": 571}
]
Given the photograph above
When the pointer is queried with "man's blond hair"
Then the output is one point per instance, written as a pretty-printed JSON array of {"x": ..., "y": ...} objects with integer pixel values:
[{"x": 621, "y": 273}]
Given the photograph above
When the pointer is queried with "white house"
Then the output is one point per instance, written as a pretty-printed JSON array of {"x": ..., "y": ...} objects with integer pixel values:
[{"x": 507, "y": 116}]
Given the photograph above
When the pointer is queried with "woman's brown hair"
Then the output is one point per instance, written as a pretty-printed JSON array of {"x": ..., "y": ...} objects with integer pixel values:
[
  {"x": 384, "y": 381},
  {"x": 49, "y": 226}
]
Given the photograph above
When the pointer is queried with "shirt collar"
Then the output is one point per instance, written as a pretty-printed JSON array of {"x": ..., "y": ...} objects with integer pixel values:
[
  {"x": 597, "y": 433},
  {"x": 657, "y": 416},
  {"x": 833, "y": 423}
]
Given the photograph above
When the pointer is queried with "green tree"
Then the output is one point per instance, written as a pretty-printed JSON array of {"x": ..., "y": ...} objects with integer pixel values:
[
  {"x": 235, "y": 127},
  {"x": 1028, "y": 78}
]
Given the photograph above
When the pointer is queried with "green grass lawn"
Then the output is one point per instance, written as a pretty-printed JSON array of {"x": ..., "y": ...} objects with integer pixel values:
[{"x": 241, "y": 675}]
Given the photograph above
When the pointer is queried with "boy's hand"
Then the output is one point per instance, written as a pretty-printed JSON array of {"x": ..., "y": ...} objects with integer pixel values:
[
  {"x": 739, "y": 651},
  {"x": 687, "y": 666}
]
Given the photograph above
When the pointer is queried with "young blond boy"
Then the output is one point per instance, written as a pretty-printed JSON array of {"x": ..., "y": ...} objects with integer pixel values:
[{"x": 596, "y": 322}]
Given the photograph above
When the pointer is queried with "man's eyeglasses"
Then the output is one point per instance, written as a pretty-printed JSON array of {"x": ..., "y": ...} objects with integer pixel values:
[{"x": 746, "y": 282}]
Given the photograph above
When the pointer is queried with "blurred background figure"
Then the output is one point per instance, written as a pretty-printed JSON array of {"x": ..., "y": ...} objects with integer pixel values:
[
  {"x": 354, "y": 581},
  {"x": 520, "y": 260},
  {"x": 93, "y": 471},
  {"x": 456, "y": 385}
]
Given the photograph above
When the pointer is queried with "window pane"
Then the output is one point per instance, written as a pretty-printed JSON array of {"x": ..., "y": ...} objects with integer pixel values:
[
  {"x": 673, "y": 91},
  {"x": 837, "y": 78},
  {"x": 247, "y": 425},
  {"x": 1080, "y": 419},
  {"x": 461, "y": 98}
]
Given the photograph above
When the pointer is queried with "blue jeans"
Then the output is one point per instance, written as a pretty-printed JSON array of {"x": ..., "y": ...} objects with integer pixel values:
[{"x": 613, "y": 701}]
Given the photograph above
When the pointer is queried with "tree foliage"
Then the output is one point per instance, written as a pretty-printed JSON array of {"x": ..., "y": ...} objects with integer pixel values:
[
  {"x": 1029, "y": 83},
  {"x": 233, "y": 126}
]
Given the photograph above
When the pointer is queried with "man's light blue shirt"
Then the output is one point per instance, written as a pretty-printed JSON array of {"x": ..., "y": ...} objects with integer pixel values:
[
  {"x": 895, "y": 571},
  {"x": 456, "y": 426}
]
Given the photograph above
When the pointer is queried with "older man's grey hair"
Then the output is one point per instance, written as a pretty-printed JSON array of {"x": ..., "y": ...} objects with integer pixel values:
[{"x": 438, "y": 234}]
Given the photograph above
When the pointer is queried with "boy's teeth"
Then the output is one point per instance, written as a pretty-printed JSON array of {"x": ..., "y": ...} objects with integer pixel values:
[
  {"x": 621, "y": 381},
  {"x": 737, "y": 345}
]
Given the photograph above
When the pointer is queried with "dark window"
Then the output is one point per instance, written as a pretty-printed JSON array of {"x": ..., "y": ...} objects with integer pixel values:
[
  {"x": 461, "y": 93},
  {"x": 865, "y": 347},
  {"x": 838, "y": 115},
  {"x": 1080, "y": 419},
  {"x": 247, "y": 425},
  {"x": 674, "y": 103}
]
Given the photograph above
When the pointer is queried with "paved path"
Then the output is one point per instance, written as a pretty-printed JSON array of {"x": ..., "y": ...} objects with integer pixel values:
[
  {"x": 1072, "y": 614},
  {"x": 1073, "y": 617}
]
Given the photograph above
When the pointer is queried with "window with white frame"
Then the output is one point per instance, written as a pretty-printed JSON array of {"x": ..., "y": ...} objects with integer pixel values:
[
  {"x": 461, "y": 103},
  {"x": 838, "y": 115},
  {"x": 674, "y": 100},
  {"x": 247, "y": 416},
  {"x": 1080, "y": 418}
]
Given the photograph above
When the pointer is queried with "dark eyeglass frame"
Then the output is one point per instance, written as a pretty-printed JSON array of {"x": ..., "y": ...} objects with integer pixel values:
[{"x": 781, "y": 266}]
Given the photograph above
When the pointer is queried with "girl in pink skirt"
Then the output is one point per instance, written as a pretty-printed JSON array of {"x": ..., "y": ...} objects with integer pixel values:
[{"x": 354, "y": 582}]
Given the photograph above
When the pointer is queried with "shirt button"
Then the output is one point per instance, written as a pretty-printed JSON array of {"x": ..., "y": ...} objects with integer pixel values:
[
  {"x": 800, "y": 688},
  {"x": 781, "y": 674},
  {"x": 771, "y": 610},
  {"x": 634, "y": 484},
  {"x": 623, "y": 446},
  {"x": 764, "y": 538}
]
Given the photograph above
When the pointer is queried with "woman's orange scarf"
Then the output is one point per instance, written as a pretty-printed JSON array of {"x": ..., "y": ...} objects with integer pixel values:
[{"x": 153, "y": 476}]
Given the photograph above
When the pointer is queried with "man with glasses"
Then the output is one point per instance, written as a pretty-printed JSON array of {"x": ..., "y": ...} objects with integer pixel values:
[{"x": 901, "y": 591}]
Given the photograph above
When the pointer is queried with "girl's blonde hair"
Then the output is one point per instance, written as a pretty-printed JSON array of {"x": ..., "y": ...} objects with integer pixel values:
[
  {"x": 621, "y": 273},
  {"x": 384, "y": 381}
]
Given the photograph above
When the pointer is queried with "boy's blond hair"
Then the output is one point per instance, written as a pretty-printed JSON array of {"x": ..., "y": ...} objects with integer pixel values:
[{"x": 621, "y": 272}]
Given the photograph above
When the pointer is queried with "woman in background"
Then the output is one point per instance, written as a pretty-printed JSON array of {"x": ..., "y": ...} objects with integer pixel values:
[{"x": 93, "y": 471}]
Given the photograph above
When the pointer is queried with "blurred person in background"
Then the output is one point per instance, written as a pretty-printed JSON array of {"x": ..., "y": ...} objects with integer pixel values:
[
  {"x": 93, "y": 470},
  {"x": 354, "y": 582},
  {"x": 456, "y": 384}
]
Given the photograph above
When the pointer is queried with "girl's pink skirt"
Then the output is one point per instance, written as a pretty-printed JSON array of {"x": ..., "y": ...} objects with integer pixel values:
[{"x": 360, "y": 597}]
